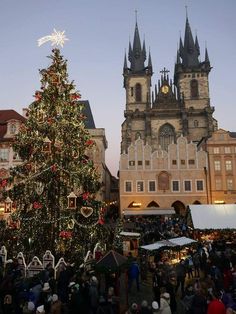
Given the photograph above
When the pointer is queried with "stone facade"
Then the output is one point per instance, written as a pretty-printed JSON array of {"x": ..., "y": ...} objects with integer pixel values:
[
  {"x": 173, "y": 178},
  {"x": 221, "y": 148}
]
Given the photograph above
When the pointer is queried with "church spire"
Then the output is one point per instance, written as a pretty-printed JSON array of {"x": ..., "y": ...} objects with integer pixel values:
[
  {"x": 190, "y": 49},
  {"x": 197, "y": 46},
  {"x": 137, "y": 53},
  {"x": 206, "y": 56}
]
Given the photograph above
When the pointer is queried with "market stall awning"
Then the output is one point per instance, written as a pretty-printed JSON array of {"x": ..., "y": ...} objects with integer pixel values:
[
  {"x": 130, "y": 234},
  {"x": 181, "y": 241},
  {"x": 157, "y": 245},
  {"x": 212, "y": 216},
  {"x": 149, "y": 212}
]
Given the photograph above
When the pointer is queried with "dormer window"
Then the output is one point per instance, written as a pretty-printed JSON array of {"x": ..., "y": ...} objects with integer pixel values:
[{"x": 12, "y": 128}]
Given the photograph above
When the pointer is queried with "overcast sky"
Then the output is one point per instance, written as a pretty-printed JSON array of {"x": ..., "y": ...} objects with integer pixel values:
[{"x": 99, "y": 32}]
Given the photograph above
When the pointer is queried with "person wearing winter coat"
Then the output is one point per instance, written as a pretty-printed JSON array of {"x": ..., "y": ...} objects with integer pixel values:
[
  {"x": 8, "y": 305},
  {"x": 165, "y": 304},
  {"x": 93, "y": 295},
  {"x": 56, "y": 307},
  {"x": 216, "y": 306}
]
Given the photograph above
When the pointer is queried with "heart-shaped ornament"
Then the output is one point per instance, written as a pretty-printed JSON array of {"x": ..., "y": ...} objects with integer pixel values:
[{"x": 86, "y": 211}]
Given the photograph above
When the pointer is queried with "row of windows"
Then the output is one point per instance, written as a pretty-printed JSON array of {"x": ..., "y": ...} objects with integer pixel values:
[
  {"x": 194, "y": 75},
  {"x": 219, "y": 184},
  {"x": 227, "y": 150},
  {"x": 174, "y": 162},
  {"x": 175, "y": 186},
  {"x": 228, "y": 165}
]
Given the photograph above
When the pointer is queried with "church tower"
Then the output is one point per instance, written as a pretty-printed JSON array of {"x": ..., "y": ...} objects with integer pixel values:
[
  {"x": 172, "y": 109},
  {"x": 191, "y": 80},
  {"x": 137, "y": 83}
]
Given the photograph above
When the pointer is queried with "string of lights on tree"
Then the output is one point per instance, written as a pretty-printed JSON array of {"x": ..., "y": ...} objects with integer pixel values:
[{"x": 54, "y": 189}]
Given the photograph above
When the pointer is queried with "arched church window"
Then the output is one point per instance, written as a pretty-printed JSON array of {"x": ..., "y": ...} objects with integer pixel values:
[
  {"x": 138, "y": 92},
  {"x": 166, "y": 136},
  {"x": 194, "y": 88}
]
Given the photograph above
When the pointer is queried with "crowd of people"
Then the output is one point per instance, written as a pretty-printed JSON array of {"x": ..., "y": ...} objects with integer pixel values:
[
  {"x": 203, "y": 282},
  {"x": 71, "y": 292}
]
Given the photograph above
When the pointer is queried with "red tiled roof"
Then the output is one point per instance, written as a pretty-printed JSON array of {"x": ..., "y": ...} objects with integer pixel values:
[{"x": 6, "y": 115}]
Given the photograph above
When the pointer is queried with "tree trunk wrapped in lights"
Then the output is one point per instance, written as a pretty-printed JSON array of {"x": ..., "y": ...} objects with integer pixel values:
[{"x": 53, "y": 144}]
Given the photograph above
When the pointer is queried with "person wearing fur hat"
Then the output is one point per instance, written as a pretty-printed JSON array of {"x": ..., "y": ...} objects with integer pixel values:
[{"x": 56, "y": 306}]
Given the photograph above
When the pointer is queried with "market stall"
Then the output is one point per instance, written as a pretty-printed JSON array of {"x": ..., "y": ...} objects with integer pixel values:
[
  {"x": 170, "y": 251},
  {"x": 212, "y": 222},
  {"x": 130, "y": 242}
]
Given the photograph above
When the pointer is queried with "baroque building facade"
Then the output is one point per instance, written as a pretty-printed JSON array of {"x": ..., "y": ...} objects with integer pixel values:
[{"x": 176, "y": 111}]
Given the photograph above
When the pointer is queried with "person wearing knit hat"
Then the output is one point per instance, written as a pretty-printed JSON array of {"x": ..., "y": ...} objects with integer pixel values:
[
  {"x": 40, "y": 310},
  {"x": 155, "y": 307}
]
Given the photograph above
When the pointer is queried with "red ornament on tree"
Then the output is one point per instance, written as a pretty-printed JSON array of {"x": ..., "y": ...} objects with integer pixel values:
[
  {"x": 75, "y": 96},
  {"x": 4, "y": 183},
  {"x": 65, "y": 234},
  {"x": 54, "y": 168},
  {"x": 38, "y": 95},
  {"x": 101, "y": 221},
  {"x": 37, "y": 205},
  {"x": 85, "y": 196}
]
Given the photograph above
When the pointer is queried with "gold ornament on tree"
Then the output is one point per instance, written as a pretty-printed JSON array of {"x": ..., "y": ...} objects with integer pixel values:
[{"x": 86, "y": 211}]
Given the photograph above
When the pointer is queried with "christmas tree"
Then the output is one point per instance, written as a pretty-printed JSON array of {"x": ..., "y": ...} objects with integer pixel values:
[{"x": 53, "y": 190}]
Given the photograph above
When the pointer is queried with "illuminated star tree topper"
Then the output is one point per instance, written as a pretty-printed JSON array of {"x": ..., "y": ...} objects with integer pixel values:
[{"x": 57, "y": 38}]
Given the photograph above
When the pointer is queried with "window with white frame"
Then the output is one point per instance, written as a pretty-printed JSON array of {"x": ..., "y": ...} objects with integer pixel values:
[
  {"x": 199, "y": 185},
  {"x": 217, "y": 165},
  {"x": 216, "y": 150},
  {"x": 218, "y": 184},
  {"x": 229, "y": 183},
  {"x": 227, "y": 150},
  {"x": 128, "y": 186},
  {"x": 175, "y": 186},
  {"x": 228, "y": 165},
  {"x": 152, "y": 186},
  {"x": 140, "y": 186},
  {"x": 187, "y": 186},
  {"x": 4, "y": 154}
]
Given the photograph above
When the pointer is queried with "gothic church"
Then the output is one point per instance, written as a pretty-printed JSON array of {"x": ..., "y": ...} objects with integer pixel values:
[{"x": 155, "y": 121}]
